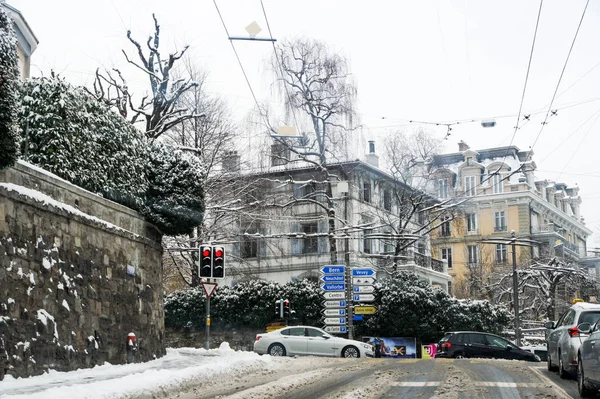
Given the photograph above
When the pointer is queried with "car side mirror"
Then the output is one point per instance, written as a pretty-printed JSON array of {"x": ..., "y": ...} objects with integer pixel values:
[
  {"x": 509, "y": 348},
  {"x": 585, "y": 328},
  {"x": 326, "y": 336},
  {"x": 549, "y": 324}
]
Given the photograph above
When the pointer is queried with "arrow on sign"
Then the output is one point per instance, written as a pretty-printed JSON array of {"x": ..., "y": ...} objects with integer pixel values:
[
  {"x": 363, "y": 280},
  {"x": 335, "y": 320},
  {"x": 333, "y": 278},
  {"x": 334, "y": 295},
  {"x": 364, "y": 297},
  {"x": 363, "y": 272},
  {"x": 337, "y": 269},
  {"x": 334, "y": 312},
  {"x": 336, "y": 329},
  {"x": 334, "y": 304},
  {"x": 334, "y": 287},
  {"x": 363, "y": 289}
]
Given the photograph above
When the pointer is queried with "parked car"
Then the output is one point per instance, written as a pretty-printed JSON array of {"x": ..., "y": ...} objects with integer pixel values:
[
  {"x": 461, "y": 344},
  {"x": 588, "y": 359},
  {"x": 564, "y": 338},
  {"x": 306, "y": 340}
]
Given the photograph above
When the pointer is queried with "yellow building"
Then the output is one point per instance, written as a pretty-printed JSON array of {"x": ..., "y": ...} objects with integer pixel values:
[{"x": 501, "y": 194}]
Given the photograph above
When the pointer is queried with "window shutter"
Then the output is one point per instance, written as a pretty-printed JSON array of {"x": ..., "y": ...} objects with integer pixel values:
[
  {"x": 323, "y": 227},
  {"x": 296, "y": 243}
]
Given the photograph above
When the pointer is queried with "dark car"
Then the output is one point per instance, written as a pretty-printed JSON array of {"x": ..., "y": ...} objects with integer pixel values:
[
  {"x": 463, "y": 344},
  {"x": 588, "y": 359}
]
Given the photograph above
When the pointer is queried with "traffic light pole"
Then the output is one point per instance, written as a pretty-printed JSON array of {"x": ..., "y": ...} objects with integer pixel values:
[{"x": 207, "y": 313}]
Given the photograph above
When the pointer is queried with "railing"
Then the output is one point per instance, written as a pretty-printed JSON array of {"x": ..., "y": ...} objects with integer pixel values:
[{"x": 437, "y": 265}]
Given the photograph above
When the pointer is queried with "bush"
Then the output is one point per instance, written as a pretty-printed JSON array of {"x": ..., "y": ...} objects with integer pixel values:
[{"x": 9, "y": 88}]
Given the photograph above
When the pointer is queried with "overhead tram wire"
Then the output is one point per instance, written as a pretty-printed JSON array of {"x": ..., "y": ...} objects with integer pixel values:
[
  {"x": 238, "y": 58},
  {"x": 280, "y": 65},
  {"x": 545, "y": 122}
]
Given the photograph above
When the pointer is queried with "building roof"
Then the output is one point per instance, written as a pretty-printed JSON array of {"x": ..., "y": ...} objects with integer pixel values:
[{"x": 25, "y": 34}]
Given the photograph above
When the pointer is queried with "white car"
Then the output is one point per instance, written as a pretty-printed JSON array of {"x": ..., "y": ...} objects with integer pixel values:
[{"x": 305, "y": 340}]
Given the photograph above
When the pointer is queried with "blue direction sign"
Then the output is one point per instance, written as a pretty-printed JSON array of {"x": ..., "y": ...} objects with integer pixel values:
[
  {"x": 333, "y": 287},
  {"x": 366, "y": 272},
  {"x": 357, "y": 317},
  {"x": 335, "y": 269},
  {"x": 333, "y": 278}
]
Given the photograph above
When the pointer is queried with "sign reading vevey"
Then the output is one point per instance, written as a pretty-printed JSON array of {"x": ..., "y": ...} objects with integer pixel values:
[{"x": 362, "y": 272}]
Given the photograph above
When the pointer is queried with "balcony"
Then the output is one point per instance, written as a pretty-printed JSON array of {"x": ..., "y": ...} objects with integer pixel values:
[{"x": 551, "y": 232}]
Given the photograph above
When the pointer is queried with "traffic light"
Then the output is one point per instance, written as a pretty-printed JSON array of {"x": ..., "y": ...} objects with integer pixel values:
[
  {"x": 279, "y": 309},
  {"x": 206, "y": 262},
  {"x": 218, "y": 264},
  {"x": 287, "y": 311}
]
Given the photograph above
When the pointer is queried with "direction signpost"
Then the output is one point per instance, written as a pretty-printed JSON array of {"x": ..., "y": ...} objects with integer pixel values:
[
  {"x": 366, "y": 289},
  {"x": 333, "y": 278},
  {"x": 335, "y": 321},
  {"x": 364, "y": 297},
  {"x": 334, "y": 295},
  {"x": 334, "y": 312},
  {"x": 365, "y": 309},
  {"x": 336, "y": 329},
  {"x": 334, "y": 304}
]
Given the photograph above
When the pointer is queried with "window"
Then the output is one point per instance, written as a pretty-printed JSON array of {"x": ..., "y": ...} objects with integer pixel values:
[
  {"x": 313, "y": 332},
  {"x": 249, "y": 247},
  {"x": 443, "y": 188},
  {"x": 304, "y": 190},
  {"x": 387, "y": 199},
  {"x": 295, "y": 332},
  {"x": 500, "y": 221},
  {"x": 498, "y": 183},
  {"x": 472, "y": 222},
  {"x": 280, "y": 154},
  {"x": 367, "y": 191},
  {"x": 473, "y": 254},
  {"x": 311, "y": 244},
  {"x": 501, "y": 253},
  {"x": 445, "y": 228},
  {"x": 421, "y": 247},
  {"x": 477, "y": 339},
  {"x": 422, "y": 217},
  {"x": 367, "y": 242},
  {"x": 447, "y": 255},
  {"x": 450, "y": 288},
  {"x": 470, "y": 186}
]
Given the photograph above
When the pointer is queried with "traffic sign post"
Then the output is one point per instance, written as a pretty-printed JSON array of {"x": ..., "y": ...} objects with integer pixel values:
[
  {"x": 336, "y": 329},
  {"x": 364, "y": 297},
  {"x": 366, "y": 289},
  {"x": 334, "y": 287},
  {"x": 334, "y": 284},
  {"x": 334, "y": 304},
  {"x": 334, "y": 312},
  {"x": 365, "y": 310},
  {"x": 334, "y": 295},
  {"x": 209, "y": 289}
]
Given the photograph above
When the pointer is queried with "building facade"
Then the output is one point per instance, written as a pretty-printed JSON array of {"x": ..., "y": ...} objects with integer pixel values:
[
  {"x": 26, "y": 40},
  {"x": 288, "y": 238},
  {"x": 501, "y": 194}
]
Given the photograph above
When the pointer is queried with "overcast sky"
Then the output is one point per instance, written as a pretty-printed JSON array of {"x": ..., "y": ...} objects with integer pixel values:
[{"x": 425, "y": 60}]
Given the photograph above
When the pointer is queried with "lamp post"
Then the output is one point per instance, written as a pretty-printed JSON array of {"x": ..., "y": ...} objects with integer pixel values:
[{"x": 513, "y": 241}]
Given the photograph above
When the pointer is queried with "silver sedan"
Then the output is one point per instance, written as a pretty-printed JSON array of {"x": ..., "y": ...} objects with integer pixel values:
[{"x": 305, "y": 340}]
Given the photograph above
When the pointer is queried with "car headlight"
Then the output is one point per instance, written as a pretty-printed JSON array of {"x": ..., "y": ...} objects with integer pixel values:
[
  {"x": 368, "y": 347},
  {"x": 536, "y": 357}
]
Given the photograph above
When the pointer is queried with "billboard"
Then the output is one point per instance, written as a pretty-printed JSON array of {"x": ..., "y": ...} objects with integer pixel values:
[{"x": 394, "y": 347}]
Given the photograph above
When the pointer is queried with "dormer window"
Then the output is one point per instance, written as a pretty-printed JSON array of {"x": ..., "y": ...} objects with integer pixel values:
[
  {"x": 443, "y": 188},
  {"x": 469, "y": 161}
]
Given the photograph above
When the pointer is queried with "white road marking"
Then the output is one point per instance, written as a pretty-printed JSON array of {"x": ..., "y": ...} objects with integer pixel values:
[
  {"x": 549, "y": 381},
  {"x": 476, "y": 383}
]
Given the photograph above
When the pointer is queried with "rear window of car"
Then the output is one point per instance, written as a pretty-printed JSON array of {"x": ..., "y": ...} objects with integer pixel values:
[
  {"x": 446, "y": 337},
  {"x": 477, "y": 339},
  {"x": 589, "y": 317}
]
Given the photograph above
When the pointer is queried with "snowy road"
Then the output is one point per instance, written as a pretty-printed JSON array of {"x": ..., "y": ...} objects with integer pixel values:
[{"x": 195, "y": 373}]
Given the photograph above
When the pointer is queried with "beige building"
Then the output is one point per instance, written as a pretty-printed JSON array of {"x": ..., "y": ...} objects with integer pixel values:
[
  {"x": 26, "y": 40},
  {"x": 502, "y": 194}
]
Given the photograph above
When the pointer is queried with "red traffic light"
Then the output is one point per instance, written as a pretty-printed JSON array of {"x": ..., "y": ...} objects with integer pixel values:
[
  {"x": 206, "y": 252},
  {"x": 219, "y": 253},
  {"x": 287, "y": 303}
]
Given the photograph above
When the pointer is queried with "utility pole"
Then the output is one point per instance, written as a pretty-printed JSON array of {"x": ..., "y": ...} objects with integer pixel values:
[{"x": 513, "y": 241}]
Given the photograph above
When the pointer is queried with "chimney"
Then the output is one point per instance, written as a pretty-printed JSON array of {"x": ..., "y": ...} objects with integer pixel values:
[
  {"x": 372, "y": 158},
  {"x": 231, "y": 162},
  {"x": 462, "y": 146}
]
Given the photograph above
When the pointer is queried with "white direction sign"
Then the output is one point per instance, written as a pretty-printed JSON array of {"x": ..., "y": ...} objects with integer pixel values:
[
  {"x": 336, "y": 329},
  {"x": 366, "y": 289},
  {"x": 334, "y": 312},
  {"x": 335, "y": 304},
  {"x": 363, "y": 297},
  {"x": 363, "y": 280},
  {"x": 335, "y": 320},
  {"x": 335, "y": 295}
]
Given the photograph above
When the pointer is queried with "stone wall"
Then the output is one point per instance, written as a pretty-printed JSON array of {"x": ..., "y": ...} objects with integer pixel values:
[
  {"x": 238, "y": 339},
  {"x": 77, "y": 274}
]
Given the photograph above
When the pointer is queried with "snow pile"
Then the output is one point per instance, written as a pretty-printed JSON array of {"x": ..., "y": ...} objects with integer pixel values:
[{"x": 178, "y": 369}]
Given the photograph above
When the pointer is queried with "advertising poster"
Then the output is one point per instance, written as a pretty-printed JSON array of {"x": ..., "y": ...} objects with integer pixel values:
[
  {"x": 428, "y": 351},
  {"x": 396, "y": 347}
]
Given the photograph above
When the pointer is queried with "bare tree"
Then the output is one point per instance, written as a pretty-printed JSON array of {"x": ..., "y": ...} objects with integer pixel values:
[
  {"x": 317, "y": 84},
  {"x": 539, "y": 284},
  {"x": 161, "y": 110}
]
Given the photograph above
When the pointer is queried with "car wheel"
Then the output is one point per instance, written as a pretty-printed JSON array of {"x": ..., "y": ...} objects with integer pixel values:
[
  {"x": 276, "y": 350},
  {"x": 459, "y": 355},
  {"x": 350, "y": 351},
  {"x": 562, "y": 373},
  {"x": 584, "y": 391}
]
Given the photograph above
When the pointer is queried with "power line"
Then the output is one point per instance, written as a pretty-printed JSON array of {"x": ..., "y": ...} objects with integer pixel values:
[
  {"x": 280, "y": 66},
  {"x": 237, "y": 57},
  {"x": 581, "y": 142},
  {"x": 560, "y": 78}
]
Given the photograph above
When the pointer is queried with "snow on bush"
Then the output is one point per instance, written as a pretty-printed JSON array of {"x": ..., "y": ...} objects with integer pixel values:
[{"x": 9, "y": 88}]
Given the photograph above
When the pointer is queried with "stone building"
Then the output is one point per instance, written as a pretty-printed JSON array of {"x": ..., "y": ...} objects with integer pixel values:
[{"x": 502, "y": 194}]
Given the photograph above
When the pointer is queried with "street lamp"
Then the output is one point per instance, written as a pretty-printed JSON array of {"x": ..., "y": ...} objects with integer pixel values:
[{"x": 514, "y": 241}]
